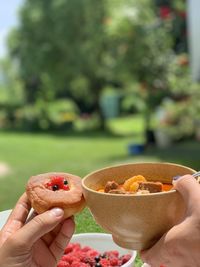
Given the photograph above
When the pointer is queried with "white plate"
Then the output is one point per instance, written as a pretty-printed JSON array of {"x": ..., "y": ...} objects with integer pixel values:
[{"x": 3, "y": 217}]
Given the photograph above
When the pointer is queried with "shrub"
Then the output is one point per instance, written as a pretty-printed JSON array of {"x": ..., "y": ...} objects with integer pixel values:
[
  {"x": 58, "y": 114},
  {"x": 61, "y": 113}
]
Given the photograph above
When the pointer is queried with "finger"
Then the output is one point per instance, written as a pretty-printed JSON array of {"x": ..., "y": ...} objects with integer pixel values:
[
  {"x": 16, "y": 219},
  {"x": 64, "y": 236},
  {"x": 189, "y": 188},
  {"x": 49, "y": 237},
  {"x": 148, "y": 259},
  {"x": 39, "y": 226},
  {"x": 21, "y": 210},
  {"x": 154, "y": 256}
]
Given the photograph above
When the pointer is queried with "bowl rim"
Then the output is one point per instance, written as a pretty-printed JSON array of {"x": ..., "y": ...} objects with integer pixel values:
[{"x": 172, "y": 191}]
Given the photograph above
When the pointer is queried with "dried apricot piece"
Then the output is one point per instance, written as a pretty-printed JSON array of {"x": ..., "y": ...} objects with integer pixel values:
[
  {"x": 130, "y": 181},
  {"x": 101, "y": 190},
  {"x": 134, "y": 187}
]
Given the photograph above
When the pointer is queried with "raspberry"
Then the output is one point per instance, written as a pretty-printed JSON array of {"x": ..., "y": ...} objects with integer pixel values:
[
  {"x": 115, "y": 262},
  {"x": 69, "y": 248},
  {"x": 112, "y": 254},
  {"x": 76, "y": 256},
  {"x": 86, "y": 248},
  {"x": 63, "y": 264},
  {"x": 79, "y": 264},
  {"x": 93, "y": 253},
  {"x": 69, "y": 258},
  {"x": 125, "y": 258},
  {"x": 89, "y": 260},
  {"x": 81, "y": 255},
  {"x": 76, "y": 247},
  {"x": 104, "y": 262}
]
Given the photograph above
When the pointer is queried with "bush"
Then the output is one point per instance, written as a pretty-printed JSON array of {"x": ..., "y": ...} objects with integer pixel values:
[
  {"x": 58, "y": 114},
  {"x": 61, "y": 113},
  {"x": 28, "y": 117},
  {"x": 3, "y": 119},
  {"x": 173, "y": 117}
]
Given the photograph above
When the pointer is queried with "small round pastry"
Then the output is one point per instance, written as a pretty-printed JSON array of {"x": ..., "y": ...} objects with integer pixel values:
[{"x": 56, "y": 189}]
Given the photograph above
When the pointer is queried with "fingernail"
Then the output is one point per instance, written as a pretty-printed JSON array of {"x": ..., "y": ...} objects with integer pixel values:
[
  {"x": 57, "y": 212},
  {"x": 176, "y": 177}
]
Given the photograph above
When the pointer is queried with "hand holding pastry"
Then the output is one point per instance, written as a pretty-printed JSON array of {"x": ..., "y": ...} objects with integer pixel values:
[{"x": 40, "y": 242}]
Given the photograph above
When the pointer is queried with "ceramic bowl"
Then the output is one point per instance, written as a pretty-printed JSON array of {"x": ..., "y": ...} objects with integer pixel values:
[
  {"x": 135, "y": 221},
  {"x": 103, "y": 242}
]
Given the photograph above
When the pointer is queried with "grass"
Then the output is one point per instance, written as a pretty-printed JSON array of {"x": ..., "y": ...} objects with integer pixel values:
[
  {"x": 128, "y": 126},
  {"x": 28, "y": 154}
]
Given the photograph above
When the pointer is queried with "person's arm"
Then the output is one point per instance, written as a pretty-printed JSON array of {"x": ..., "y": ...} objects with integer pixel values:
[
  {"x": 39, "y": 242},
  {"x": 180, "y": 246}
]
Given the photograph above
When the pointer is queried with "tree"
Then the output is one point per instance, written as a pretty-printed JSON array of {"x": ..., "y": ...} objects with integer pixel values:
[
  {"x": 143, "y": 51},
  {"x": 60, "y": 47},
  {"x": 11, "y": 92},
  {"x": 11, "y": 86},
  {"x": 75, "y": 48}
]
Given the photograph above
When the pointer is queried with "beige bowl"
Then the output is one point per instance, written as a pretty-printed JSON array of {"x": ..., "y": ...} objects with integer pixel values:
[{"x": 135, "y": 221}]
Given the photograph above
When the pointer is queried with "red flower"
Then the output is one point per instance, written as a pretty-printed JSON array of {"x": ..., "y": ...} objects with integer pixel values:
[{"x": 165, "y": 12}]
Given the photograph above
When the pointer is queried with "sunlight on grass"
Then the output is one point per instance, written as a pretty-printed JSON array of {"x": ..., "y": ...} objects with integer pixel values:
[{"x": 127, "y": 125}]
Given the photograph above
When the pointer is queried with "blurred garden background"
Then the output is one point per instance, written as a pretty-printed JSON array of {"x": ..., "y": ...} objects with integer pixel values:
[{"x": 91, "y": 83}]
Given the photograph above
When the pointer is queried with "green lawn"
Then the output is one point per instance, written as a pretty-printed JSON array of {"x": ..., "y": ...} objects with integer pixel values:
[{"x": 29, "y": 154}]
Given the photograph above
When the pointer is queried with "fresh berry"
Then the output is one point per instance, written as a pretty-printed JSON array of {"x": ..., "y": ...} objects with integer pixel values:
[
  {"x": 89, "y": 260},
  {"x": 115, "y": 262},
  {"x": 65, "y": 187},
  {"x": 55, "y": 187},
  {"x": 86, "y": 248},
  {"x": 69, "y": 248},
  {"x": 57, "y": 180},
  {"x": 77, "y": 256},
  {"x": 93, "y": 253},
  {"x": 105, "y": 262},
  {"x": 104, "y": 255},
  {"x": 125, "y": 258},
  {"x": 57, "y": 183},
  {"x": 63, "y": 264},
  {"x": 113, "y": 253},
  {"x": 76, "y": 247},
  {"x": 97, "y": 258}
]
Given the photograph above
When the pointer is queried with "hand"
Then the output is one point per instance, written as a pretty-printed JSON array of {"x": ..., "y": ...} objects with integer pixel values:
[
  {"x": 180, "y": 246},
  {"x": 38, "y": 242}
]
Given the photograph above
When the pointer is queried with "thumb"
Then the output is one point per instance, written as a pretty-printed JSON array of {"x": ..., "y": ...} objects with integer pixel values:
[
  {"x": 189, "y": 188},
  {"x": 39, "y": 225}
]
